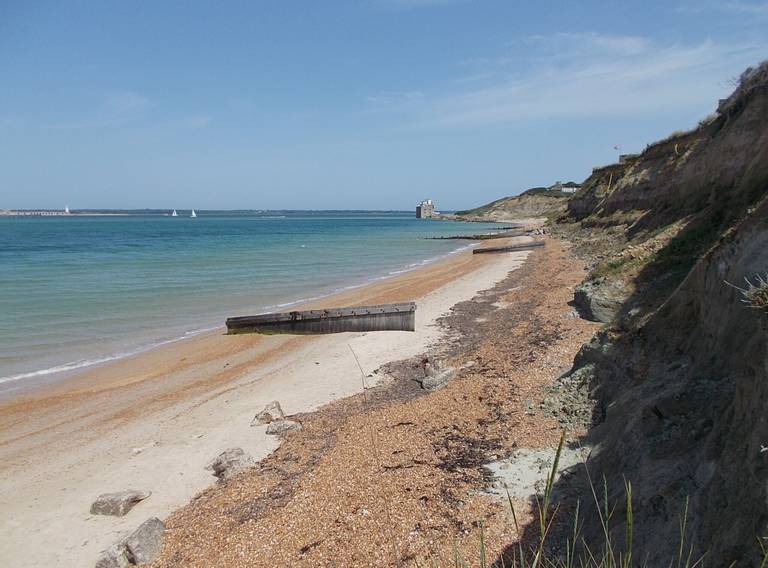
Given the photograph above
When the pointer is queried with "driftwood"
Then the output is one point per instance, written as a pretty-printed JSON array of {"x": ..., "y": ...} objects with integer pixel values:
[
  {"x": 392, "y": 317},
  {"x": 510, "y": 248}
]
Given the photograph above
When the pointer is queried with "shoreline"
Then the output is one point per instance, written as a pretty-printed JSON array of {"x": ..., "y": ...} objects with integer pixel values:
[
  {"x": 152, "y": 421},
  {"x": 399, "y": 475},
  {"x": 41, "y": 378}
]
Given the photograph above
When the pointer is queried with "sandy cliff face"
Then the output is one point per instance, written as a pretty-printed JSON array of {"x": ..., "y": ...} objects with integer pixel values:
[
  {"x": 680, "y": 372},
  {"x": 722, "y": 162},
  {"x": 525, "y": 206}
]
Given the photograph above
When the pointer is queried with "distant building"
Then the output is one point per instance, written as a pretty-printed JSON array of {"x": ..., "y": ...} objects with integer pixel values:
[
  {"x": 425, "y": 210},
  {"x": 568, "y": 187},
  {"x": 624, "y": 158}
]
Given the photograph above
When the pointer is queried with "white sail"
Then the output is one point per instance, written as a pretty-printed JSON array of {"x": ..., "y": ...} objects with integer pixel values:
[
  {"x": 174, "y": 214},
  {"x": 193, "y": 214}
]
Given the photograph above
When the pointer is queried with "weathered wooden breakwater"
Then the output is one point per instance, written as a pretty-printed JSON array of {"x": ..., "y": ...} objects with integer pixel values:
[
  {"x": 510, "y": 248},
  {"x": 482, "y": 236},
  {"x": 386, "y": 317}
]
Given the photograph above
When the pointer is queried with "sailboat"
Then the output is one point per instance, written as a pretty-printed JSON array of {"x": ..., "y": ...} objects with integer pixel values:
[
  {"x": 194, "y": 215},
  {"x": 174, "y": 214}
]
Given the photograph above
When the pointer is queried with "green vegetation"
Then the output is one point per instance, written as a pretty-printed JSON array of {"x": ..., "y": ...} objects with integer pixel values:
[
  {"x": 618, "y": 266},
  {"x": 546, "y": 192},
  {"x": 682, "y": 252}
]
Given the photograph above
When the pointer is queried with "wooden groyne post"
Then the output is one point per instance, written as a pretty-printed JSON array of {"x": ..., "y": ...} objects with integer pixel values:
[
  {"x": 386, "y": 317},
  {"x": 482, "y": 236}
]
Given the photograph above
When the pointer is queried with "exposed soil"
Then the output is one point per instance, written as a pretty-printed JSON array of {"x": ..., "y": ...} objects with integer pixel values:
[{"x": 396, "y": 475}]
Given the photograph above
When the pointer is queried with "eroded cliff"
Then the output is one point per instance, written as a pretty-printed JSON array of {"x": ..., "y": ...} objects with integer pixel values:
[{"x": 679, "y": 374}]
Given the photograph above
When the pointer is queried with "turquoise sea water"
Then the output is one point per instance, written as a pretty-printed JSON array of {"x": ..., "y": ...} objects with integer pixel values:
[{"x": 78, "y": 291}]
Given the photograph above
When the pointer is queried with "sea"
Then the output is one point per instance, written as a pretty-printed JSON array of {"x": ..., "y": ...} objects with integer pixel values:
[{"x": 78, "y": 291}]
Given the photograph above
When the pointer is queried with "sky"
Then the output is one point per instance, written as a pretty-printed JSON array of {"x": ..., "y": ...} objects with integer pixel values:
[{"x": 366, "y": 104}]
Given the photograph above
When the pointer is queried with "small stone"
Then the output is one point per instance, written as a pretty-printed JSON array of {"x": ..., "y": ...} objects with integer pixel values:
[
  {"x": 438, "y": 380},
  {"x": 271, "y": 413},
  {"x": 229, "y": 462},
  {"x": 137, "y": 451},
  {"x": 146, "y": 542},
  {"x": 118, "y": 504},
  {"x": 280, "y": 427}
]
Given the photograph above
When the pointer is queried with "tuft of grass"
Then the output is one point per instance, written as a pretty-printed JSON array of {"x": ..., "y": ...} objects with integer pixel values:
[
  {"x": 755, "y": 295},
  {"x": 619, "y": 266}
]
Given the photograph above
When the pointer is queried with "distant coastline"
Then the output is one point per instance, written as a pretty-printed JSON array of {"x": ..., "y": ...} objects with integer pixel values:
[
  {"x": 54, "y": 213},
  {"x": 49, "y": 212}
]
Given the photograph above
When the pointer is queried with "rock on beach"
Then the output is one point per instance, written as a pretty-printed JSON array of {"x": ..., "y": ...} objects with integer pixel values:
[
  {"x": 118, "y": 504},
  {"x": 229, "y": 462}
]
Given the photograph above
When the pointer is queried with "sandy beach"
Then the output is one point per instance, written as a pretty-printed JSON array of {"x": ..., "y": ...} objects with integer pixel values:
[
  {"x": 402, "y": 476},
  {"x": 153, "y": 421}
]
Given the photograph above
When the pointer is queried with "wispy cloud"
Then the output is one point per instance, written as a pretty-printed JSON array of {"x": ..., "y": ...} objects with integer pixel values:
[
  {"x": 760, "y": 8},
  {"x": 198, "y": 121},
  {"x": 113, "y": 108},
  {"x": 735, "y": 7},
  {"x": 125, "y": 103},
  {"x": 394, "y": 98},
  {"x": 571, "y": 75}
]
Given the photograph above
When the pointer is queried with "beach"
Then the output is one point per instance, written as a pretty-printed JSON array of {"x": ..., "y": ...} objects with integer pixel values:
[
  {"x": 399, "y": 475},
  {"x": 153, "y": 421}
]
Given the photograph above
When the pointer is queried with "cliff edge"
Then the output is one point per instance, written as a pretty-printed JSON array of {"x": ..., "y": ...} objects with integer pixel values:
[{"x": 677, "y": 238}]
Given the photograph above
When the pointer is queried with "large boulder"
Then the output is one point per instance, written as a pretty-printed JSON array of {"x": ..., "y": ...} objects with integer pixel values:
[
  {"x": 229, "y": 462},
  {"x": 146, "y": 542},
  {"x": 598, "y": 300},
  {"x": 118, "y": 504},
  {"x": 142, "y": 546},
  {"x": 271, "y": 413}
]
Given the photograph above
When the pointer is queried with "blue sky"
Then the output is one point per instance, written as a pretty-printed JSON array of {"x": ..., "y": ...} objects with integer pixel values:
[{"x": 367, "y": 104}]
